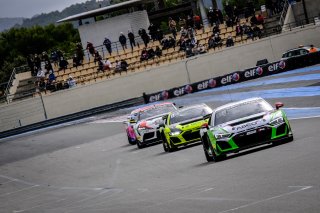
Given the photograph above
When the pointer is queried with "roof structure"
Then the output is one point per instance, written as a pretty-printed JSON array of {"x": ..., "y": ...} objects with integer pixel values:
[{"x": 102, "y": 11}]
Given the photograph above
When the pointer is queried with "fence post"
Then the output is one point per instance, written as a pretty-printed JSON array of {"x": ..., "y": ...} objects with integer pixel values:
[{"x": 44, "y": 108}]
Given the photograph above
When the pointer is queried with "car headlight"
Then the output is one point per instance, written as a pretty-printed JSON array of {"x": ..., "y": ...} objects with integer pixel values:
[
  {"x": 276, "y": 121},
  {"x": 175, "y": 133},
  {"x": 222, "y": 136}
]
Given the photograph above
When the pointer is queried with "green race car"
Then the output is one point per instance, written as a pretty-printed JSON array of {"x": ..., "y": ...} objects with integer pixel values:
[
  {"x": 182, "y": 127},
  {"x": 242, "y": 125}
]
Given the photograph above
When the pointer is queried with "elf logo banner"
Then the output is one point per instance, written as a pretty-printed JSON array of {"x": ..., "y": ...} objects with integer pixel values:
[
  {"x": 211, "y": 83},
  {"x": 230, "y": 78},
  {"x": 277, "y": 66},
  {"x": 182, "y": 90},
  {"x": 253, "y": 72},
  {"x": 156, "y": 97}
]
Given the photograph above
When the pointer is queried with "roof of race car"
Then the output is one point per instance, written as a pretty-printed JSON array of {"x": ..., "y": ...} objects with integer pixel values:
[
  {"x": 192, "y": 106},
  {"x": 229, "y": 105},
  {"x": 149, "y": 107}
]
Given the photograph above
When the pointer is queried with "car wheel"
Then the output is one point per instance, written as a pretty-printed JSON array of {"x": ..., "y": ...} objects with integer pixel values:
[
  {"x": 207, "y": 149},
  {"x": 139, "y": 144},
  {"x": 218, "y": 158},
  {"x": 132, "y": 142}
]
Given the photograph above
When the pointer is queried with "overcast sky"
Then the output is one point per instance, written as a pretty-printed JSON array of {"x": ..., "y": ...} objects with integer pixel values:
[{"x": 29, "y": 8}]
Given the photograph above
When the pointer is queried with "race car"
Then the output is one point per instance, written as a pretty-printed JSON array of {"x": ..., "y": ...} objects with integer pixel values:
[
  {"x": 132, "y": 119},
  {"x": 182, "y": 127},
  {"x": 242, "y": 125},
  {"x": 301, "y": 50},
  {"x": 148, "y": 120}
]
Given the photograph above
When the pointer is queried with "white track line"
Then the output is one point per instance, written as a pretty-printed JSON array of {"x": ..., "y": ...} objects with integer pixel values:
[{"x": 302, "y": 188}]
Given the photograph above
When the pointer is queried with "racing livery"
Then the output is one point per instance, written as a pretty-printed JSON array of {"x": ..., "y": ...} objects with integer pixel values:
[
  {"x": 182, "y": 127},
  {"x": 149, "y": 118},
  {"x": 132, "y": 119},
  {"x": 242, "y": 125}
]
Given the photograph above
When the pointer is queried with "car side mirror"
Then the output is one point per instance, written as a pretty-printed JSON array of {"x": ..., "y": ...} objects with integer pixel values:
[
  {"x": 205, "y": 126},
  {"x": 180, "y": 107},
  {"x": 132, "y": 121},
  {"x": 278, "y": 105}
]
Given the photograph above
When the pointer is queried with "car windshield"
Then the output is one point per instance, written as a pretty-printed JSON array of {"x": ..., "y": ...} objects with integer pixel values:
[
  {"x": 240, "y": 111},
  {"x": 188, "y": 114},
  {"x": 156, "y": 110}
]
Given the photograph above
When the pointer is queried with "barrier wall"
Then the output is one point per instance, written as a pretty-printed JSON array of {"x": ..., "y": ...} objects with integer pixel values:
[{"x": 161, "y": 78}]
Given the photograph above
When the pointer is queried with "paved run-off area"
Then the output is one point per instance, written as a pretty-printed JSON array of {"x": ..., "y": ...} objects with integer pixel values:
[{"x": 90, "y": 167}]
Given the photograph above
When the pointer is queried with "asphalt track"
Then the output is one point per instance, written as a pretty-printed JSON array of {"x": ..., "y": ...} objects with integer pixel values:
[{"x": 89, "y": 166}]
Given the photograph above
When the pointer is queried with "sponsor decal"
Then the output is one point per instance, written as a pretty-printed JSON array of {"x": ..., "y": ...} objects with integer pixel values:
[
  {"x": 230, "y": 78},
  {"x": 182, "y": 90},
  {"x": 154, "y": 98},
  {"x": 258, "y": 71},
  {"x": 277, "y": 66},
  {"x": 247, "y": 125}
]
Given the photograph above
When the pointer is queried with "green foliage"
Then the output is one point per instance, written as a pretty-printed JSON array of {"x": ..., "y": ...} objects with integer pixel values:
[{"x": 17, "y": 44}]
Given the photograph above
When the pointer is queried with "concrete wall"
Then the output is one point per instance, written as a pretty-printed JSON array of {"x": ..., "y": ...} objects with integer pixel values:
[
  {"x": 163, "y": 77},
  {"x": 111, "y": 28}
]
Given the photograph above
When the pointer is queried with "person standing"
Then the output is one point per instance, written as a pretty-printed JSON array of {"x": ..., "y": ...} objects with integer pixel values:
[
  {"x": 173, "y": 27},
  {"x": 107, "y": 44},
  {"x": 131, "y": 39},
  {"x": 123, "y": 41}
]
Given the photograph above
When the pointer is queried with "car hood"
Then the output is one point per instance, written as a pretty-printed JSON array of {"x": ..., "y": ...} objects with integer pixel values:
[
  {"x": 151, "y": 122},
  {"x": 247, "y": 123},
  {"x": 188, "y": 124}
]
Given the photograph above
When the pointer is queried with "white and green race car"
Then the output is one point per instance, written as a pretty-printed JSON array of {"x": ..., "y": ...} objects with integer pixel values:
[{"x": 242, "y": 125}]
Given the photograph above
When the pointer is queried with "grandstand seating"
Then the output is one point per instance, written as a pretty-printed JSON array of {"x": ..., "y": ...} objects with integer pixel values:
[{"x": 88, "y": 74}]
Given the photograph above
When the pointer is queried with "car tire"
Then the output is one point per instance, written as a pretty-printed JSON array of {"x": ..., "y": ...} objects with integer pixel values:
[
  {"x": 207, "y": 149},
  {"x": 140, "y": 145},
  {"x": 131, "y": 142}
]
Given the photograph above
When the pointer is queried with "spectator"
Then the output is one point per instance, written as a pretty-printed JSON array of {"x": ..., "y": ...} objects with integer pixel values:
[
  {"x": 37, "y": 61},
  {"x": 210, "y": 42},
  {"x": 144, "y": 54},
  {"x": 183, "y": 32},
  {"x": 107, "y": 44},
  {"x": 75, "y": 61},
  {"x": 151, "y": 53},
  {"x": 131, "y": 39},
  {"x": 55, "y": 58},
  {"x": 71, "y": 82},
  {"x": 249, "y": 32},
  {"x": 193, "y": 42},
  {"x": 90, "y": 48},
  {"x": 123, "y": 41},
  {"x": 172, "y": 42},
  {"x": 51, "y": 77},
  {"x": 239, "y": 30},
  {"x": 229, "y": 10},
  {"x": 217, "y": 41},
  {"x": 211, "y": 16},
  {"x": 124, "y": 65},
  {"x": 191, "y": 32},
  {"x": 197, "y": 21},
  {"x": 218, "y": 16},
  {"x": 97, "y": 56},
  {"x": 229, "y": 21},
  {"x": 236, "y": 14},
  {"x": 165, "y": 43},
  {"x": 144, "y": 36},
  {"x": 79, "y": 52},
  {"x": 260, "y": 19},
  {"x": 229, "y": 42},
  {"x": 30, "y": 61},
  {"x": 253, "y": 20},
  {"x": 41, "y": 75},
  {"x": 153, "y": 31},
  {"x": 63, "y": 64},
  {"x": 182, "y": 43},
  {"x": 173, "y": 27},
  {"x": 159, "y": 35},
  {"x": 117, "y": 66},
  {"x": 189, "y": 22},
  {"x": 158, "y": 52},
  {"x": 215, "y": 28},
  {"x": 182, "y": 22},
  {"x": 257, "y": 32}
]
